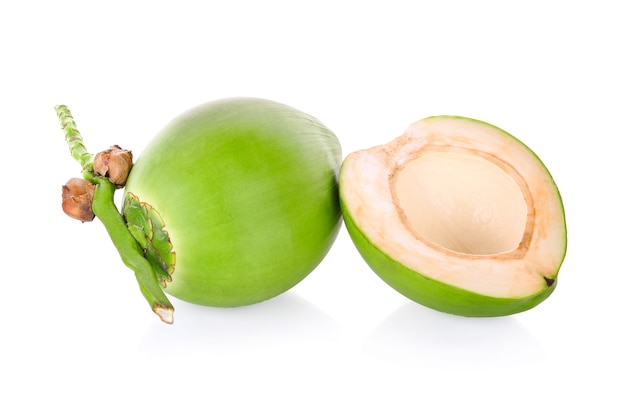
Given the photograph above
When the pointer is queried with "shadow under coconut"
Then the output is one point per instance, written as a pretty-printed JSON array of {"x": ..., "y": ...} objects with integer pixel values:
[
  {"x": 416, "y": 335},
  {"x": 287, "y": 321}
]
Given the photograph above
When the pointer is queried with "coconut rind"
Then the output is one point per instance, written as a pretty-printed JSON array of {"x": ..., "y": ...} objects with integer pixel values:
[{"x": 436, "y": 294}]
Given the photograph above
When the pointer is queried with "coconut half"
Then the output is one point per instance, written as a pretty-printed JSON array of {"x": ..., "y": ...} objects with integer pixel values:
[{"x": 457, "y": 215}]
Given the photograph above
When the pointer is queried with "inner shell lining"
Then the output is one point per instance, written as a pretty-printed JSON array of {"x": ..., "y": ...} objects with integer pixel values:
[{"x": 462, "y": 202}]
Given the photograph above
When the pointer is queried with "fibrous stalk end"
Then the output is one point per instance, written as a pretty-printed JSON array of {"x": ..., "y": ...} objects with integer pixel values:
[{"x": 166, "y": 313}]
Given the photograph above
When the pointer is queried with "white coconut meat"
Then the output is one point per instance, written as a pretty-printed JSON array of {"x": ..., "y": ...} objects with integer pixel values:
[{"x": 462, "y": 202}]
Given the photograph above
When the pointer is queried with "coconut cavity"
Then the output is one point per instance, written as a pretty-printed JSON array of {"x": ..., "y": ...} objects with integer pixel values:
[{"x": 462, "y": 201}]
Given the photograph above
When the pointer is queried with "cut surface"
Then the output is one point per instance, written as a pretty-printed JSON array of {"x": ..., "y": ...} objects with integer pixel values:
[{"x": 462, "y": 202}]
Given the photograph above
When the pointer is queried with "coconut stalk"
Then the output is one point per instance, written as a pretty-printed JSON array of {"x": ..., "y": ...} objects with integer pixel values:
[{"x": 103, "y": 207}]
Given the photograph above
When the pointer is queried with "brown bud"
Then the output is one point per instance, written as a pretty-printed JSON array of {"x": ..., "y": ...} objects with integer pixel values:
[
  {"x": 77, "y": 199},
  {"x": 114, "y": 163}
]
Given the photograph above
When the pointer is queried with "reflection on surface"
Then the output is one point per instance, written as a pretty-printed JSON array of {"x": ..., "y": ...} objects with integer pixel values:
[
  {"x": 286, "y": 321},
  {"x": 414, "y": 334}
]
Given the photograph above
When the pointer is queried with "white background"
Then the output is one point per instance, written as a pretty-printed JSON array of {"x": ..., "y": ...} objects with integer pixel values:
[{"x": 549, "y": 72}]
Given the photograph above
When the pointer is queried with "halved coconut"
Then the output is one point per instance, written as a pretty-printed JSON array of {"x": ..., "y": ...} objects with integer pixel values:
[{"x": 457, "y": 215}]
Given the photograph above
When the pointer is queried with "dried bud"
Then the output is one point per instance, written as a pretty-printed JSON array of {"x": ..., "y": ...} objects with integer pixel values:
[
  {"x": 114, "y": 163},
  {"x": 77, "y": 198}
]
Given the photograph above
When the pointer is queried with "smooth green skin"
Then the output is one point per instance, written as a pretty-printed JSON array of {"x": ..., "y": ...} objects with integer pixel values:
[
  {"x": 436, "y": 294},
  {"x": 247, "y": 189}
]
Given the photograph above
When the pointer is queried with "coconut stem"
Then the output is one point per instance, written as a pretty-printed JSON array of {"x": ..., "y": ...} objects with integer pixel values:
[
  {"x": 129, "y": 250},
  {"x": 75, "y": 141},
  {"x": 104, "y": 208}
]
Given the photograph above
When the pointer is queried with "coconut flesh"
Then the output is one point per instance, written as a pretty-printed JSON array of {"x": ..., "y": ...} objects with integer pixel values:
[{"x": 460, "y": 202}]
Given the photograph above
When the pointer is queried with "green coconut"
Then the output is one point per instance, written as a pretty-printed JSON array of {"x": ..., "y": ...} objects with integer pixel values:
[
  {"x": 235, "y": 201},
  {"x": 457, "y": 215}
]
